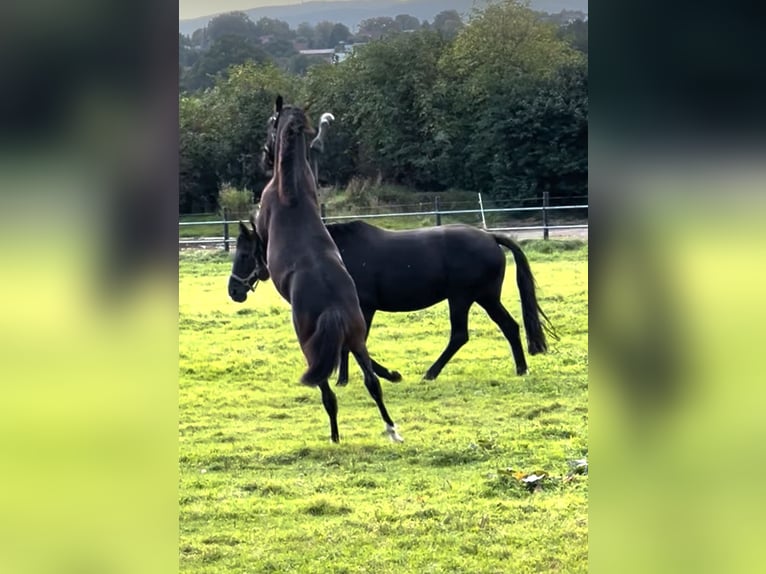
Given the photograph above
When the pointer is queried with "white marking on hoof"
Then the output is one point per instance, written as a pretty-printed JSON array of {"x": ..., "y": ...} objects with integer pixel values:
[{"x": 392, "y": 434}]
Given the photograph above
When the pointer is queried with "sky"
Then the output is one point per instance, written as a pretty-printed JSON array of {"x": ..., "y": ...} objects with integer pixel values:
[{"x": 195, "y": 8}]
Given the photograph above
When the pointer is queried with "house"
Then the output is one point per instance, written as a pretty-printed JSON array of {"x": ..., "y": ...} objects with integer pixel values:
[
  {"x": 333, "y": 55},
  {"x": 326, "y": 54},
  {"x": 343, "y": 50}
]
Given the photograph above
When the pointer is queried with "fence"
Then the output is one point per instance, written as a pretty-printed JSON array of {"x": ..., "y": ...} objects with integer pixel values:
[{"x": 545, "y": 225}]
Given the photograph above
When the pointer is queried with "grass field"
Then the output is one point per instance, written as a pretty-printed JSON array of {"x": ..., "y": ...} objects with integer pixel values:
[{"x": 263, "y": 490}]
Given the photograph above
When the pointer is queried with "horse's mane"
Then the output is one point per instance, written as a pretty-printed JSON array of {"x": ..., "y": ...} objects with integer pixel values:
[{"x": 292, "y": 152}]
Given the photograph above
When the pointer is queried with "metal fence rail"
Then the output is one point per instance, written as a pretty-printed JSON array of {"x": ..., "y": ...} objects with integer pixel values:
[{"x": 545, "y": 209}]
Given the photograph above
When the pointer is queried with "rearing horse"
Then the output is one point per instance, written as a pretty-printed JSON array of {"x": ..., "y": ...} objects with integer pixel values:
[{"x": 306, "y": 268}]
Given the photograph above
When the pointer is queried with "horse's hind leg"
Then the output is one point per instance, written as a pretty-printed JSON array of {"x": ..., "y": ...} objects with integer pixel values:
[
  {"x": 458, "y": 316},
  {"x": 378, "y": 369},
  {"x": 510, "y": 328},
  {"x": 382, "y": 371},
  {"x": 331, "y": 406},
  {"x": 373, "y": 387},
  {"x": 343, "y": 368}
]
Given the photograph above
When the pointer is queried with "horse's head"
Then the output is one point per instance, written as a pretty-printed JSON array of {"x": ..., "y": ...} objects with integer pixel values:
[
  {"x": 284, "y": 116},
  {"x": 249, "y": 263}
]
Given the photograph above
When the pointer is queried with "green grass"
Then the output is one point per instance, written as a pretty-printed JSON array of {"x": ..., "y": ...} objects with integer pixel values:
[{"x": 263, "y": 490}]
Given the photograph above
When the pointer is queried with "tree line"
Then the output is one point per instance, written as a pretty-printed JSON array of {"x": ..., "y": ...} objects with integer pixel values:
[
  {"x": 496, "y": 104},
  {"x": 232, "y": 39}
]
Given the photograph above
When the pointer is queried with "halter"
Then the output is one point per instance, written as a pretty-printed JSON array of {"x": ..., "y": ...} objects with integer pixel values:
[{"x": 246, "y": 280}]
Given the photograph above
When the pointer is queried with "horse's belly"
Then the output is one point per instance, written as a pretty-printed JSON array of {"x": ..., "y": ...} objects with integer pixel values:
[{"x": 409, "y": 301}]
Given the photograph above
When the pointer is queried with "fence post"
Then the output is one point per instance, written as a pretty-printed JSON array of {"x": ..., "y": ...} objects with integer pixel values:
[
  {"x": 322, "y": 212},
  {"x": 225, "y": 229},
  {"x": 545, "y": 214},
  {"x": 436, "y": 210},
  {"x": 481, "y": 208}
]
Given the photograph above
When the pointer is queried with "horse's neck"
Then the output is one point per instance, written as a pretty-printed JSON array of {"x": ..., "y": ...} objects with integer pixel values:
[{"x": 292, "y": 181}]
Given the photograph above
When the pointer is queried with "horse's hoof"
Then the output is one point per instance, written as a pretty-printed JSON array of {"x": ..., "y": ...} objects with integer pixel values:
[
  {"x": 521, "y": 372},
  {"x": 396, "y": 376},
  {"x": 429, "y": 376},
  {"x": 341, "y": 383},
  {"x": 393, "y": 435}
]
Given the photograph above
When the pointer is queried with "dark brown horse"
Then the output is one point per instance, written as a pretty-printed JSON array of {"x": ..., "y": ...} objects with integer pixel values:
[
  {"x": 414, "y": 269},
  {"x": 306, "y": 267}
]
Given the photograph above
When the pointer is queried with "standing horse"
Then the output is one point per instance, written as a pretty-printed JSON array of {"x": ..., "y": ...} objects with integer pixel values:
[
  {"x": 306, "y": 268},
  {"x": 414, "y": 269}
]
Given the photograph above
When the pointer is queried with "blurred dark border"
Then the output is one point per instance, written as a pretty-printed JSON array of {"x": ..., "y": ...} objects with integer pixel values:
[
  {"x": 677, "y": 128},
  {"x": 88, "y": 306},
  {"x": 94, "y": 85},
  {"x": 677, "y": 89},
  {"x": 690, "y": 70}
]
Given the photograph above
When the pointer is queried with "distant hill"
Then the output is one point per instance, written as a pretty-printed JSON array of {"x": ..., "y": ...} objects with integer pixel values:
[{"x": 351, "y": 13}]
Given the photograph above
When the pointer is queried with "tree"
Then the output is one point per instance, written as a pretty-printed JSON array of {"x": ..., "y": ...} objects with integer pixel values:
[
  {"x": 382, "y": 102},
  {"x": 222, "y": 132},
  {"x": 230, "y": 24},
  {"x": 322, "y": 33},
  {"x": 332, "y": 88},
  {"x": 492, "y": 76},
  {"x": 298, "y": 64},
  {"x": 534, "y": 137},
  {"x": 448, "y": 23},
  {"x": 244, "y": 101},
  {"x": 225, "y": 52},
  {"x": 306, "y": 30},
  {"x": 376, "y": 28},
  {"x": 198, "y": 178},
  {"x": 273, "y": 27},
  {"x": 339, "y": 33},
  {"x": 576, "y": 35},
  {"x": 279, "y": 48},
  {"x": 407, "y": 22},
  {"x": 500, "y": 108},
  {"x": 187, "y": 55}
]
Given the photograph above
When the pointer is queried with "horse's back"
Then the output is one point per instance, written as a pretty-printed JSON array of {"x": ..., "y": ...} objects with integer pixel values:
[{"x": 413, "y": 269}]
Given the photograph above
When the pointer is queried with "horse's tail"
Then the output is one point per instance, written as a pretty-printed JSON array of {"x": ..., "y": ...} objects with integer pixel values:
[
  {"x": 530, "y": 309},
  {"x": 323, "y": 347}
]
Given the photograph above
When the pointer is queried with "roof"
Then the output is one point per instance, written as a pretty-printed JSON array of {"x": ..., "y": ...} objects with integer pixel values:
[{"x": 322, "y": 52}]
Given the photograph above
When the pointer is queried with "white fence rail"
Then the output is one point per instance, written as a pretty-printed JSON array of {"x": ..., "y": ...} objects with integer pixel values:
[{"x": 226, "y": 239}]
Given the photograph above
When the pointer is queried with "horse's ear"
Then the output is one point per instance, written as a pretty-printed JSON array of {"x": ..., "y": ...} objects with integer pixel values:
[
  {"x": 243, "y": 230},
  {"x": 278, "y": 106},
  {"x": 252, "y": 221}
]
